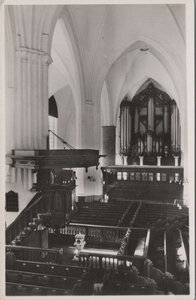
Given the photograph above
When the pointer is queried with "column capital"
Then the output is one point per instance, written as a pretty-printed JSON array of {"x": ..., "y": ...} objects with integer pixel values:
[{"x": 34, "y": 56}]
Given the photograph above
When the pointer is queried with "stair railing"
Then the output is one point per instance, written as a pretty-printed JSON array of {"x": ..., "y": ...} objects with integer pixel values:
[
  {"x": 36, "y": 254},
  {"x": 24, "y": 218}
]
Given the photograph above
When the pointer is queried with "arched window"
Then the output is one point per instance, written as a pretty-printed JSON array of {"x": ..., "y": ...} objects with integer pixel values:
[{"x": 53, "y": 117}]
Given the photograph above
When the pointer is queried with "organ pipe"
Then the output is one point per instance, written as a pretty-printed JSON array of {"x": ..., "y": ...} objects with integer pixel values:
[
  {"x": 175, "y": 134},
  {"x": 173, "y": 125},
  {"x": 136, "y": 120},
  {"x": 125, "y": 127},
  {"x": 165, "y": 118},
  {"x": 156, "y": 124},
  {"x": 150, "y": 114}
]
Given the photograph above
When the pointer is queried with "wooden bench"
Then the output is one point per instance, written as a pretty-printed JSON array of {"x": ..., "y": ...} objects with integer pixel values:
[
  {"x": 55, "y": 281},
  {"x": 63, "y": 270},
  {"x": 15, "y": 289}
]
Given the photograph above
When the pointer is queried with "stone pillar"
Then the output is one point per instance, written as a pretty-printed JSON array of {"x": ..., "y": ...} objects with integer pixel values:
[
  {"x": 89, "y": 125},
  {"x": 31, "y": 101},
  {"x": 108, "y": 145}
]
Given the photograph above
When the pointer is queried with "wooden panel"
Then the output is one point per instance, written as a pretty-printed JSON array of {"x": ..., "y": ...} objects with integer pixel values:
[
  {"x": 11, "y": 201},
  {"x": 57, "y": 159},
  {"x": 143, "y": 182},
  {"x": 69, "y": 158}
]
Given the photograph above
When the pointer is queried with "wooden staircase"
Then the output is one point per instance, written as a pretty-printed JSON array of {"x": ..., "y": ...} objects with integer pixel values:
[{"x": 32, "y": 216}]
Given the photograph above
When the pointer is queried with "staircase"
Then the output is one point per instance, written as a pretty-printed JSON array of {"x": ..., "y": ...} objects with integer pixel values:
[{"x": 33, "y": 215}]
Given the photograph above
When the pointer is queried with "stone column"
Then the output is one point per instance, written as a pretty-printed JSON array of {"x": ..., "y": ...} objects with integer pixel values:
[
  {"x": 108, "y": 145},
  {"x": 31, "y": 101},
  {"x": 89, "y": 125}
]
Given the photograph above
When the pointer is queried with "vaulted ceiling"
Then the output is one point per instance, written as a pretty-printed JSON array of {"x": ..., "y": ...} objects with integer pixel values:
[
  {"x": 108, "y": 43},
  {"x": 121, "y": 45}
]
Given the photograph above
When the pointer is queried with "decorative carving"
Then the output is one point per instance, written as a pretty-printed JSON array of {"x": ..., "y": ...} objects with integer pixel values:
[{"x": 79, "y": 244}]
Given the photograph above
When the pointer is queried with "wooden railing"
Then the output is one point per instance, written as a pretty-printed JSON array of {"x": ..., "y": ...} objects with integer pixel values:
[
  {"x": 143, "y": 182},
  {"x": 165, "y": 251},
  {"x": 151, "y": 174},
  {"x": 107, "y": 261},
  {"x": 147, "y": 242},
  {"x": 101, "y": 233},
  {"x": 135, "y": 214},
  {"x": 24, "y": 218},
  {"x": 124, "y": 214},
  {"x": 184, "y": 249},
  {"x": 36, "y": 254},
  {"x": 142, "y": 245}
]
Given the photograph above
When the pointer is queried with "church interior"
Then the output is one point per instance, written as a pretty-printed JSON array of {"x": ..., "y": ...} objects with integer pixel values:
[{"x": 98, "y": 173}]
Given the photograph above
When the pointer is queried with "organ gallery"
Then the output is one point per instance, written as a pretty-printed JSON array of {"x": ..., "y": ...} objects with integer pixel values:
[{"x": 99, "y": 149}]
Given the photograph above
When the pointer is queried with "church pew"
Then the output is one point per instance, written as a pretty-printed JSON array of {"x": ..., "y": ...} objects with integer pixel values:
[
  {"x": 15, "y": 289},
  {"x": 150, "y": 213},
  {"x": 100, "y": 213},
  {"x": 41, "y": 279},
  {"x": 63, "y": 270}
]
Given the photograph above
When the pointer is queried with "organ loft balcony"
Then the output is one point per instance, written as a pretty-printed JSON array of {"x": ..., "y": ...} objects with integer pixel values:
[{"x": 135, "y": 182}]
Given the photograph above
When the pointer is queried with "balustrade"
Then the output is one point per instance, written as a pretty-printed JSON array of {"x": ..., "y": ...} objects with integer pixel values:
[
  {"x": 101, "y": 233},
  {"x": 24, "y": 218},
  {"x": 151, "y": 174},
  {"x": 107, "y": 261},
  {"x": 36, "y": 254},
  {"x": 143, "y": 182}
]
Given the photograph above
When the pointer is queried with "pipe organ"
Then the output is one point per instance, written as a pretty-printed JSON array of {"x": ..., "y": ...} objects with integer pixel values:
[
  {"x": 149, "y": 126},
  {"x": 125, "y": 127}
]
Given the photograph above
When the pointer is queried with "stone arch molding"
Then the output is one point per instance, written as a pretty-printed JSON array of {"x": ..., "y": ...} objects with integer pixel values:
[
  {"x": 175, "y": 70},
  {"x": 106, "y": 106},
  {"x": 66, "y": 58},
  {"x": 176, "y": 73}
]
